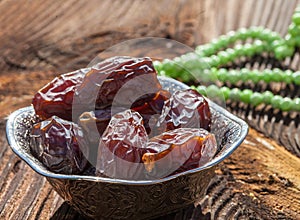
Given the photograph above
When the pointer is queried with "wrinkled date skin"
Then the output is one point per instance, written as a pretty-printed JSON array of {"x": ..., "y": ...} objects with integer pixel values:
[
  {"x": 56, "y": 97},
  {"x": 150, "y": 108},
  {"x": 185, "y": 109},
  {"x": 118, "y": 81},
  {"x": 179, "y": 150},
  {"x": 58, "y": 144},
  {"x": 122, "y": 146}
]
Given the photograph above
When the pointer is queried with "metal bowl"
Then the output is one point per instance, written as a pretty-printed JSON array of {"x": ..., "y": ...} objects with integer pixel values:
[{"x": 105, "y": 198}]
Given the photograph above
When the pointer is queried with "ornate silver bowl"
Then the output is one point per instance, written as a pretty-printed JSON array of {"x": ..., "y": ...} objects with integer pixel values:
[{"x": 105, "y": 198}]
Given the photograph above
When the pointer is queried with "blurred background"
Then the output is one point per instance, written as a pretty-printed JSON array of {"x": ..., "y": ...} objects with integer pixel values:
[{"x": 67, "y": 34}]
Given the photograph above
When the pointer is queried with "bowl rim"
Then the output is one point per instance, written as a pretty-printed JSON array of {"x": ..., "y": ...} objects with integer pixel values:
[{"x": 48, "y": 174}]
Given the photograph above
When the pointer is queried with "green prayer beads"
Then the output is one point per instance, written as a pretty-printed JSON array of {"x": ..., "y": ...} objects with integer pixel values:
[{"x": 207, "y": 61}]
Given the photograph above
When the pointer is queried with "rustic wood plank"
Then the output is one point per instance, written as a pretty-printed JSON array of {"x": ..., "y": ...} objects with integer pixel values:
[{"x": 40, "y": 39}]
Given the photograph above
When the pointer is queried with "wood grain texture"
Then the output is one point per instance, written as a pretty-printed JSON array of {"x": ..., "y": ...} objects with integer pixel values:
[{"x": 41, "y": 39}]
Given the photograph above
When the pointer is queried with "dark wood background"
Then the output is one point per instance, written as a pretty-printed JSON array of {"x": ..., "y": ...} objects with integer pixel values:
[{"x": 41, "y": 39}]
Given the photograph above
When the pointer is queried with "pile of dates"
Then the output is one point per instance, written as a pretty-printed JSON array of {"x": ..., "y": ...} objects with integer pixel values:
[{"x": 115, "y": 120}]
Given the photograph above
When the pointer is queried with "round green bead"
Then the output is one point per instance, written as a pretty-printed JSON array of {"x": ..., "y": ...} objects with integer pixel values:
[
  {"x": 232, "y": 37},
  {"x": 255, "y": 31},
  {"x": 224, "y": 57},
  {"x": 162, "y": 73},
  {"x": 206, "y": 76},
  {"x": 294, "y": 30},
  {"x": 235, "y": 94},
  {"x": 222, "y": 75},
  {"x": 157, "y": 65},
  {"x": 199, "y": 51},
  {"x": 290, "y": 41},
  {"x": 215, "y": 61},
  {"x": 239, "y": 49},
  {"x": 297, "y": 40},
  {"x": 277, "y": 75},
  {"x": 168, "y": 66},
  {"x": 225, "y": 90},
  {"x": 267, "y": 75},
  {"x": 208, "y": 50},
  {"x": 296, "y": 18},
  {"x": 282, "y": 52},
  {"x": 256, "y": 99},
  {"x": 277, "y": 43},
  {"x": 223, "y": 41},
  {"x": 259, "y": 46},
  {"x": 276, "y": 101},
  {"x": 178, "y": 65},
  {"x": 242, "y": 34},
  {"x": 246, "y": 95},
  {"x": 296, "y": 104},
  {"x": 185, "y": 77},
  {"x": 296, "y": 78},
  {"x": 286, "y": 104},
  {"x": 249, "y": 50},
  {"x": 233, "y": 76},
  {"x": 215, "y": 42},
  {"x": 288, "y": 76},
  {"x": 265, "y": 34},
  {"x": 213, "y": 91},
  {"x": 267, "y": 97},
  {"x": 201, "y": 90},
  {"x": 289, "y": 51},
  {"x": 244, "y": 74},
  {"x": 231, "y": 54},
  {"x": 274, "y": 36},
  {"x": 214, "y": 71},
  {"x": 213, "y": 74},
  {"x": 253, "y": 76}
]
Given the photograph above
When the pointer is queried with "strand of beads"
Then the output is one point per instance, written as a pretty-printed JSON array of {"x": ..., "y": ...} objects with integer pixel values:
[
  {"x": 243, "y": 34},
  {"x": 244, "y": 75},
  {"x": 249, "y": 97},
  {"x": 207, "y": 59},
  {"x": 210, "y": 55}
]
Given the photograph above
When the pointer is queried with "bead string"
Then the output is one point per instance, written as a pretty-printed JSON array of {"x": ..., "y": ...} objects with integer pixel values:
[
  {"x": 249, "y": 97},
  {"x": 244, "y": 75},
  {"x": 208, "y": 59}
]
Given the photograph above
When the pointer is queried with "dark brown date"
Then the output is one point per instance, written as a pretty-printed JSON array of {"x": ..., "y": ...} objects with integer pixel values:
[
  {"x": 56, "y": 97},
  {"x": 118, "y": 81},
  {"x": 150, "y": 108},
  {"x": 59, "y": 145},
  {"x": 185, "y": 109},
  {"x": 179, "y": 150},
  {"x": 122, "y": 146}
]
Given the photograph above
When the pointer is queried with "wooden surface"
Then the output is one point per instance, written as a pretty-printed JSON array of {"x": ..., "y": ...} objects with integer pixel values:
[{"x": 40, "y": 39}]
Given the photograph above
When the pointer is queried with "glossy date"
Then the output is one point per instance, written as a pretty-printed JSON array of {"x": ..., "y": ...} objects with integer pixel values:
[
  {"x": 118, "y": 81},
  {"x": 59, "y": 145},
  {"x": 185, "y": 109},
  {"x": 56, "y": 97},
  {"x": 179, "y": 150},
  {"x": 122, "y": 146}
]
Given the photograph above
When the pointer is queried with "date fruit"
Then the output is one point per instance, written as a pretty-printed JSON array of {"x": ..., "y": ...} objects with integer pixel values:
[
  {"x": 122, "y": 146},
  {"x": 118, "y": 81},
  {"x": 150, "y": 108},
  {"x": 56, "y": 97},
  {"x": 185, "y": 109},
  {"x": 179, "y": 150},
  {"x": 59, "y": 145}
]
